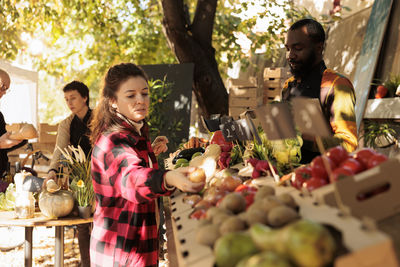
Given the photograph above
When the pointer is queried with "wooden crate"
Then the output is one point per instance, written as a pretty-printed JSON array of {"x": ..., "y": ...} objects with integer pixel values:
[
  {"x": 242, "y": 83},
  {"x": 280, "y": 73},
  {"x": 47, "y": 133},
  {"x": 367, "y": 247},
  {"x": 246, "y": 102}
]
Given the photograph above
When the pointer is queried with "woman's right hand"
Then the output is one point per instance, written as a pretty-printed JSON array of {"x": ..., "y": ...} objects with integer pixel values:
[
  {"x": 51, "y": 175},
  {"x": 179, "y": 179}
]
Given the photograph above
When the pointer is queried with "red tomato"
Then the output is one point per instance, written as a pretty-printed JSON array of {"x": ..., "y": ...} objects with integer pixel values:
[
  {"x": 314, "y": 183},
  {"x": 198, "y": 214},
  {"x": 219, "y": 139},
  {"x": 381, "y": 91},
  {"x": 337, "y": 154},
  {"x": 318, "y": 167},
  {"x": 339, "y": 173},
  {"x": 363, "y": 155},
  {"x": 354, "y": 165},
  {"x": 301, "y": 175},
  {"x": 376, "y": 160},
  {"x": 243, "y": 187}
]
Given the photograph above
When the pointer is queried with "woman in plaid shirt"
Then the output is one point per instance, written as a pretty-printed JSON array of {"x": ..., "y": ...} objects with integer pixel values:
[{"x": 126, "y": 178}]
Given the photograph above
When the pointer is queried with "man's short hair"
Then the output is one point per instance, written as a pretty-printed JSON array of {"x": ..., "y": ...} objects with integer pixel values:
[
  {"x": 82, "y": 89},
  {"x": 314, "y": 28}
]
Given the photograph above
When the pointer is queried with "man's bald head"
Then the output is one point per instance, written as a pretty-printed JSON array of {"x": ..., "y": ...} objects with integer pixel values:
[{"x": 4, "y": 82}]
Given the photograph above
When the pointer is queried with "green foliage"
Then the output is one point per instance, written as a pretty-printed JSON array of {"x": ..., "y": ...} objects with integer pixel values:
[
  {"x": 159, "y": 119},
  {"x": 373, "y": 130},
  {"x": 392, "y": 84}
]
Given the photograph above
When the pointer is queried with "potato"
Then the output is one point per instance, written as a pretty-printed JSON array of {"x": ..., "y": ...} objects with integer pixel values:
[{"x": 197, "y": 176}]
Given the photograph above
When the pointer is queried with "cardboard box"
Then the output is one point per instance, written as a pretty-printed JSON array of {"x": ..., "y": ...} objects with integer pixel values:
[{"x": 373, "y": 193}]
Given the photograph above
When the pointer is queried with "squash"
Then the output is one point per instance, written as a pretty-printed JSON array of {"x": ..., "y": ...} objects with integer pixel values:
[{"x": 58, "y": 204}]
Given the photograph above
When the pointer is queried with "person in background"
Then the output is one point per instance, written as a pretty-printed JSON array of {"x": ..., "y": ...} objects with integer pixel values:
[
  {"x": 74, "y": 130},
  {"x": 6, "y": 144},
  {"x": 304, "y": 44},
  {"x": 126, "y": 178}
]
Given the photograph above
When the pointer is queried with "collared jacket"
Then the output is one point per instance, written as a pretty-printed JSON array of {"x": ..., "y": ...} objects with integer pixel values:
[
  {"x": 337, "y": 98},
  {"x": 124, "y": 224}
]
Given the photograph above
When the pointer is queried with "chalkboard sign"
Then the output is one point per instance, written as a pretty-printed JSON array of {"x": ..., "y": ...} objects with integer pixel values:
[
  {"x": 369, "y": 54},
  {"x": 276, "y": 121},
  {"x": 309, "y": 118},
  {"x": 177, "y": 106}
]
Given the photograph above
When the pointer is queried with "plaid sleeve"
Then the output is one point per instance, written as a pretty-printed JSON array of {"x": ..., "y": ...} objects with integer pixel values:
[
  {"x": 128, "y": 174},
  {"x": 340, "y": 101}
]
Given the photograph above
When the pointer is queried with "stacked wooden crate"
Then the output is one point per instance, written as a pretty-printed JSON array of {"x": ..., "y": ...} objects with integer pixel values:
[
  {"x": 243, "y": 95},
  {"x": 274, "y": 79}
]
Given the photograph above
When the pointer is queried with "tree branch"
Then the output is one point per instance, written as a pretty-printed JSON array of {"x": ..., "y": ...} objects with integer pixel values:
[{"x": 203, "y": 22}]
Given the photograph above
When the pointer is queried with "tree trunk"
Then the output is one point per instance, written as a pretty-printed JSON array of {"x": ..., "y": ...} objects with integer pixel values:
[{"x": 192, "y": 42}]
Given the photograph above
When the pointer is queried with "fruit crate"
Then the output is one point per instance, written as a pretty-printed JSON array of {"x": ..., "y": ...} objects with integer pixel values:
[
  {"x": 274, "y": 79},
  {"x": 243, "y": 95},
  {"x": 366, "y": 245}
]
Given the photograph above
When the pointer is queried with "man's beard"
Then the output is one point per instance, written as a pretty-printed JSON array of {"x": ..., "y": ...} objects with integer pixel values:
[{"x": 303, "y": 68}]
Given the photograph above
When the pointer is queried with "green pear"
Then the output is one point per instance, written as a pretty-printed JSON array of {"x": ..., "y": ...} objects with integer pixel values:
[
  {"x": 267, "y": 238},
  {"x": 265, "y": 259},
  {"x": 309, "y": 244},
  {"x": 233, "y": 247}
]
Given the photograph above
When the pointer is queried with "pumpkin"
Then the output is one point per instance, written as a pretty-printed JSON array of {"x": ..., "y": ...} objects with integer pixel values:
[{"x": 58, "y": 204}]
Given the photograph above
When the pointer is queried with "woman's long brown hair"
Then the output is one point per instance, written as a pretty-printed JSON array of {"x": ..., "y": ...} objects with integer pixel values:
[{"x": 104, "y": 116}]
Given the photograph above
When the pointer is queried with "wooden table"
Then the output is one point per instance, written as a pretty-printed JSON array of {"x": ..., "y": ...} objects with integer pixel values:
[{"x": 7, "y": 218}]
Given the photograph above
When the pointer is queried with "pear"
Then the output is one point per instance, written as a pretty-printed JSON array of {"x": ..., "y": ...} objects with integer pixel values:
[
  {"x": 309, "y": 244},
  {"x": 232, "y": 248},
  {"x": 265, "y": 259},
  {"x": 267, "y": 238}
]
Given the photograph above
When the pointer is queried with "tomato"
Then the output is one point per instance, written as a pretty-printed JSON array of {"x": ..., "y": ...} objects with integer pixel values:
[
  {"x": 376, "y": 160},
  {"x": 314, "y": 183},
  {"x": 340, "y": 173},
  {"x": 354, "y": 165},
  {"x": 363, "y": 155},
  {"x": 381, "y": 91},
  {"x": 218, "y": 138},
  {"x": 198, "y": 214},
  {"x": 243, "y": 187},
  {"x": 318, "y": 167},
  {"x": 255, "y": 174},
  {"x": 301, "y": 175},
  {"x": 337, "y": 154}
]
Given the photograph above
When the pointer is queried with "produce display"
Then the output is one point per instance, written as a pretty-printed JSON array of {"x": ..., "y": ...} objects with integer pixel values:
[
  {"x": 242, "y": 219},
  {"x": 340, "y": 163}
]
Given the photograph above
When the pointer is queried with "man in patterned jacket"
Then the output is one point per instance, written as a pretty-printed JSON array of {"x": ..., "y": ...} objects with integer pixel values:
[{"x": 311, "y": 78}]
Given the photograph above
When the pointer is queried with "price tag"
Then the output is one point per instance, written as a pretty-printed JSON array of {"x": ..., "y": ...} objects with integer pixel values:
[
  {"x": 236, "y": 130},
  {"x": 243, "y": 130},
  {"x": 309, "y": 118},
  {"x": 276, "y": 121},
  {"x": 228, "y": 130}
]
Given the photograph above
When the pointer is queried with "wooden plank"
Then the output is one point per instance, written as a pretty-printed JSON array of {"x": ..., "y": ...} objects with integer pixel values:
[
  {"x": 280, "y": 73},
  {"x": 244, "y": 92},
  {"x": 384, "y": 108},
  {"x": 245, "y": 102},
  {"x": 369, "y": 55},
  {"x": 273, "y": 83},
  {"x": 243, "y": 83}
]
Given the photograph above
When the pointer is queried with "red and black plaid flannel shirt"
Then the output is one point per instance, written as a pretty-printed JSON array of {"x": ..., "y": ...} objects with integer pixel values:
[{"x": 124, "y": 224}]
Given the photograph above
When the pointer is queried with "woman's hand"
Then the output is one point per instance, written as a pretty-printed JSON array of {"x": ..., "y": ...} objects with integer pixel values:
[
  {"x": 51, "y": 175},
  {"x": 179, "y": 179},
  {"x": 160, "y": 145},
  {"x": 6, "y": 142}
]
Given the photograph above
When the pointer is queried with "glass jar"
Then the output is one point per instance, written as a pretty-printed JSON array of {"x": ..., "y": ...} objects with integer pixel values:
[{"x": 24, "y": 205}]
